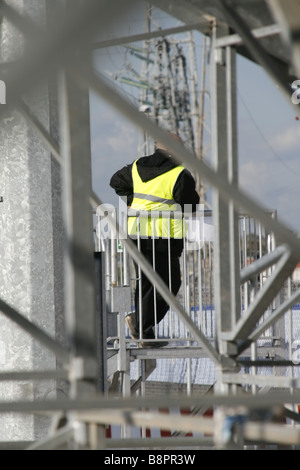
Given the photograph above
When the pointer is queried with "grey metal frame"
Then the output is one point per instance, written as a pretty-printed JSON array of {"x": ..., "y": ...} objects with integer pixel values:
[{"x": 56, "y": 52}]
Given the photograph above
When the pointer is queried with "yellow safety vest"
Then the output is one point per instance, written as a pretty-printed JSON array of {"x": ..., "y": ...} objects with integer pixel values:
[{"x": 153, "y": 196}]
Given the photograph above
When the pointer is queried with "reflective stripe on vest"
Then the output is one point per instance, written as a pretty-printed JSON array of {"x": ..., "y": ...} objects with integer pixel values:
[
  {"x": 155, "y": 195},
  {"x": 149, "y": 197}
]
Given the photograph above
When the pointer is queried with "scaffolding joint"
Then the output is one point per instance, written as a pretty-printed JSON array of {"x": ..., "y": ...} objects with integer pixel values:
[
  {"x": 227, "y": 363},
  {"x": 83, "y": 368}
]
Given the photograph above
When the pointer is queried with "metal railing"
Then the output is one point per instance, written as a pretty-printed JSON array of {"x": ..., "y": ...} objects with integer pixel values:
[
  {"x": 196, "y": 294},
  {"x": 269, "y": 361},
  {"x": 196, "y": 291}
]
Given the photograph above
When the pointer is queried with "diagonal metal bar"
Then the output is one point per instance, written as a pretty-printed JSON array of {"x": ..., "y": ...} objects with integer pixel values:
[
  {"x": 28, "y": 27},
  {"x": 182, "y": 154},
  {"x": 160, "y": 286},
  {"x": 56, "y": 440},
  {"x": 205, "y": 26},
  {"x": 38, "y": 334},
  {"x": 284, "y": 307},
  {"x": 72, "y": 35},
  {"x": 256, "y": 49},
  {"x": 227, "y": 191},
  {"x": 259, "y": 33},
  {"x": 57, "y": 50},
  {"x": 263, "y": 299},
  {"x": 249, "y": 272},
  {"x": 95, "y": 202},
  {"x": 53, "y": 147},
  {"x": 287, "y": 14}
]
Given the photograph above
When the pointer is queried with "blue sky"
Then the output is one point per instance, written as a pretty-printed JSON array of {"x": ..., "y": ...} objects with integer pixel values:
[
  {"x": 269, "y": 137},
  {"x": 268, "y": 133}
]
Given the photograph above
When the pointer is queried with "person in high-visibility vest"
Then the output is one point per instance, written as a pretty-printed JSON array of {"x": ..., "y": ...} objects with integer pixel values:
[{"x": 156, "y": 184}]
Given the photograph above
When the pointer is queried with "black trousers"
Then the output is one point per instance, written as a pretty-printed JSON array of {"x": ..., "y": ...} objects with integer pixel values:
[{"x": 154, "y": 307}]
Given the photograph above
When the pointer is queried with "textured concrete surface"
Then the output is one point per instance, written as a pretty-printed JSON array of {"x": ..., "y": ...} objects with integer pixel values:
[{"x": 31, "y": 242}]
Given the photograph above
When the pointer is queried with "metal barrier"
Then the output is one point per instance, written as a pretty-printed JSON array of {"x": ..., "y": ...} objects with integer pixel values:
[
  {"x": 196, "y": 293},
  {"x": 275, "y": 348}
]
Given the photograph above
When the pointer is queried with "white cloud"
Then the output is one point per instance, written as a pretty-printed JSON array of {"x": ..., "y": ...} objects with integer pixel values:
[
  {"x": 273, "y": 188},
  {"x": 287, "y": 141},
  {"x": 114, "y": 143},
  {"x": 253, "y": 177},
  {"x": 125, "y": 136}
]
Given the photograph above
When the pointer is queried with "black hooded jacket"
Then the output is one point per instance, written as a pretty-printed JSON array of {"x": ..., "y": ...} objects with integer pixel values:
[{"x": 150, "y": 167}]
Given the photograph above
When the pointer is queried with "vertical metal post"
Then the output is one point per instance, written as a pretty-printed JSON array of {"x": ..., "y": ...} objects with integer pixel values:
[
  {"x": 101, "y": 321},
  {"x": 224, "y": 150},
  {"x": 79, "y": 248}
]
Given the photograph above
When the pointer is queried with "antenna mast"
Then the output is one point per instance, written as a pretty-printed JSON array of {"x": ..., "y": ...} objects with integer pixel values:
[{"x": 168, "y": 88}]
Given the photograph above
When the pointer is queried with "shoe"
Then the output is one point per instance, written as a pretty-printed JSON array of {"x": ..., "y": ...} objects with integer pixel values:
[
  {"x": 153, "y": 344},
  {"x": 132, "y": 329},
  {"x": 149, "y": 335}
]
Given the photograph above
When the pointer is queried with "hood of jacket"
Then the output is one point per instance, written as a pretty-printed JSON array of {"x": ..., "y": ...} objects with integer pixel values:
[{"x": 155, "y": 165}]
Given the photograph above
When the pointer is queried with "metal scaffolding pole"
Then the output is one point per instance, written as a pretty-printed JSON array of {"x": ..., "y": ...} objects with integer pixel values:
[
  {"x": 224, "y": 151},
  {"x": 79, "y": 268}
]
